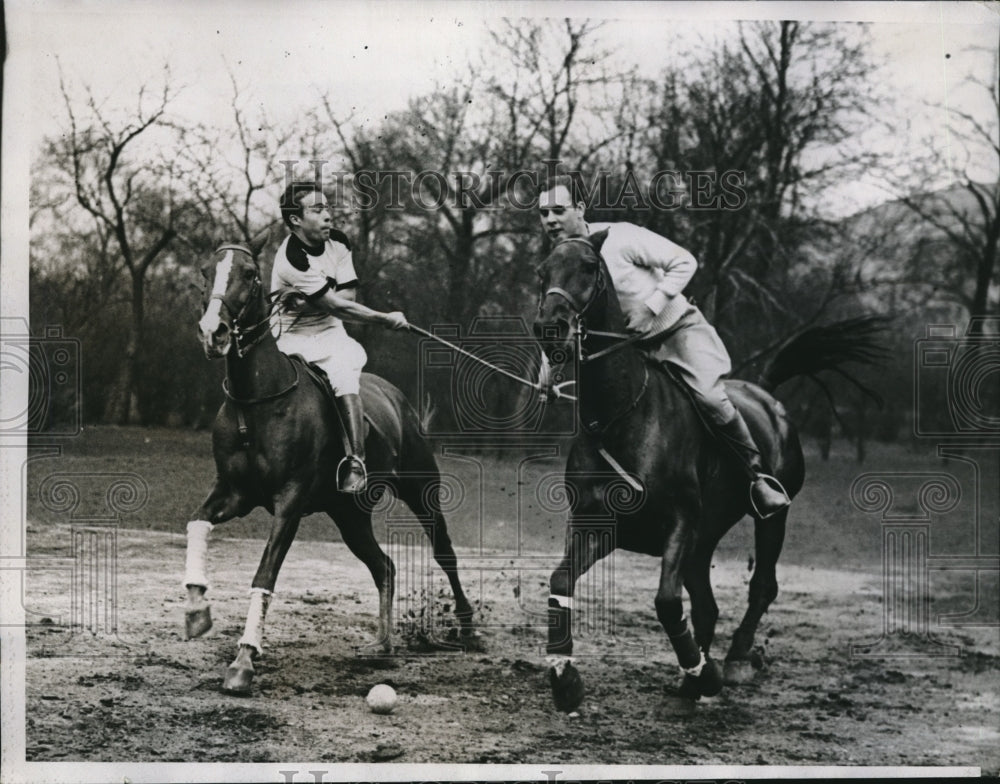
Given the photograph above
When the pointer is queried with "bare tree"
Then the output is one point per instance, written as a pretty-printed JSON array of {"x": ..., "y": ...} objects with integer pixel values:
[
  {"x": 955, "y": 234},
  {"x": 133, "y": 200},
  {"x": 227, "y": 170},
  {"x": 774, "y": 111}
]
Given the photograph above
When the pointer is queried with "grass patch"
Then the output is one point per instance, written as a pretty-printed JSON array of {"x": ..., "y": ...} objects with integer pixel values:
[{"x": 495, "y": 504}]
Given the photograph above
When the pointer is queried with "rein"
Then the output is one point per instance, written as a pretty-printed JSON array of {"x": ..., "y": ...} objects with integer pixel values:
[
  {"x": 582, "y": 333},
  {"x": 262, "y": 328},
  {"x": 624, "y": 339},
  {"x": 250, "y": 401}
]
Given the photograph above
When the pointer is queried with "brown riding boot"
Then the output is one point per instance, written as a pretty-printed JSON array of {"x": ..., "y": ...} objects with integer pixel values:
[
  {"x": 767, "y": 496},
  {"x": 355, "y": 478}
]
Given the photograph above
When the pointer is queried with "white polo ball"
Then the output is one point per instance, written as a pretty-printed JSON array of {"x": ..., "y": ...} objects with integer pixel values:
[{"x": 382, "y": 698}]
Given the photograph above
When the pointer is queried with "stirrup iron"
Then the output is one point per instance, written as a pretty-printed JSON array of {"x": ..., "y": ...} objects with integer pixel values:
[
  {"x": 775, "y": 485},
  {"x": 352, "y": 460}
]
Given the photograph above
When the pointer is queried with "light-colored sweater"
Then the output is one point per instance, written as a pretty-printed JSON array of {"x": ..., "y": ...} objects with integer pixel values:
[{"x": 649, "y": 273}]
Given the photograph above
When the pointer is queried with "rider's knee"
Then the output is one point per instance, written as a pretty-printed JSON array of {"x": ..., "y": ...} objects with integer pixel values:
[{"x": 718, "y": 407}]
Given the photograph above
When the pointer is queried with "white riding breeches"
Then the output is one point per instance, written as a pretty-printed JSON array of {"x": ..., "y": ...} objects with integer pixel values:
[{"x": 336, "y": 352}]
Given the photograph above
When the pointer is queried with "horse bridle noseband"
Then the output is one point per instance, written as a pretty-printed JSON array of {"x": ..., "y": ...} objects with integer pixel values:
[
  {"x": 240, "y": 332},
  {"x": 600, "y": 287}
]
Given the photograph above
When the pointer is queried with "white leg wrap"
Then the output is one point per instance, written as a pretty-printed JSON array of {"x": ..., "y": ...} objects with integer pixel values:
[
  {"x": 253, "y": 633},
  {"x": 695, "y": 671},
  {"x": 565, "y": 602},
  {"x": 197, "y": 547},
  {"x": 558, "y": 663}
]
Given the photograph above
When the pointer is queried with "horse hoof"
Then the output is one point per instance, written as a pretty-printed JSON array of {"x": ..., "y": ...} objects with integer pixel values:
[
  {"x": 197, "y": 621},
  {"x": 472, "y": 642},
  {"x": 710, "y": 680},
  {"x": 678, "y": 707},
  {"x": 375, "y": 649},
  {"x": 737, "y": 672},
  {"x": 567, "y": 687},
  {"x": 238, "y": 679}
]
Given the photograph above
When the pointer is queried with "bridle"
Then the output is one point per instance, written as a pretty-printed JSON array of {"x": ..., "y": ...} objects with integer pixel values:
[
  {"x": 255, "y": 332},
  {"x": 581, "y": 333},
  {"x": 579, "y": 329}
]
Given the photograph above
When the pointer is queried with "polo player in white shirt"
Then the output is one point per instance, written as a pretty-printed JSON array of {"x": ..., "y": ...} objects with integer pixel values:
[
  {"x": 315, "y": 261},
  {"x": 649, "y": 272}
]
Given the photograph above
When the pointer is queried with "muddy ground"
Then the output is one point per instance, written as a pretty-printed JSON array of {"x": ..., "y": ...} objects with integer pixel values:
[{"x": 147, "y": 694}]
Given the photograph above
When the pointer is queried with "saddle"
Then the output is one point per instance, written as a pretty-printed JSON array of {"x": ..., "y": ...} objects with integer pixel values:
[{"x": 319, "y": 377}]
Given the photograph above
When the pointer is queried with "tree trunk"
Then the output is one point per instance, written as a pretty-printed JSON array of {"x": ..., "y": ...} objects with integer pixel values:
[
  {"x": 459, "y": 266},
  {"x": 123, "y": 402}
]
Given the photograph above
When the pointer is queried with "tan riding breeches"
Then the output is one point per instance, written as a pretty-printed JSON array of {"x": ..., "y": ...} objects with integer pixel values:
[{"x": 695, "y": 350}]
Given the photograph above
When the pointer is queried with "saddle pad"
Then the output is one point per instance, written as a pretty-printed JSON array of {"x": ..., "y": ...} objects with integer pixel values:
[{"x": 322, "y": 380}]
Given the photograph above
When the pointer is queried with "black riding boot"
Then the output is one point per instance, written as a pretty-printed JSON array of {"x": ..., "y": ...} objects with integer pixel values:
[
  {"x": 351, "y": 474},
  {"x": 767, "y": 496}
]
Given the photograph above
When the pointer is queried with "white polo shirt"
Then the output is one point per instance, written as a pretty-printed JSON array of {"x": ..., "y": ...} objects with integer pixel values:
[{"x": 312, "y": 271}]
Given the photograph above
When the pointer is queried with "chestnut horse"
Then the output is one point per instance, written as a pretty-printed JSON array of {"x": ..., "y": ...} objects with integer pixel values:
[{"x": 277, "y": 442}]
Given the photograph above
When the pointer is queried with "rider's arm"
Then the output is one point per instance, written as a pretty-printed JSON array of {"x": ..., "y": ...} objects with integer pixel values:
[
  {"x": 344, "y": 307},
  {"x": 674, "y": 265}
]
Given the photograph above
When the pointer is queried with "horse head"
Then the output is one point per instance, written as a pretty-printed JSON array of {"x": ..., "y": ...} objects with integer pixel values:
[
  {"x": 232, "y": 301},
  {"x": 574, "y": 286}
]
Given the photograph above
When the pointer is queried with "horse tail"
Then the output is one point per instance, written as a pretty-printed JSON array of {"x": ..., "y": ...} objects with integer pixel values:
[{"x": 830, "y": 347}]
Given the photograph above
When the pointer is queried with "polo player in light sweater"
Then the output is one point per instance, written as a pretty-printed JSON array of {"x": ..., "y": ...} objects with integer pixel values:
[{"x": 649, "y": 272}]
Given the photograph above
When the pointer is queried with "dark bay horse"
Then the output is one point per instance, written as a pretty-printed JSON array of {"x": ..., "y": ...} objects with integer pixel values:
[
  {"x": 688, "y": 489},
  {"x": 277, "y": 444}
]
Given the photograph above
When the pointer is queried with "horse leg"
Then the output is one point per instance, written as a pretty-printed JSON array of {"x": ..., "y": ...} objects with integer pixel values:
[
  {"x": 704, "y": 614},
  {"x": 356, "y": 528},
  {"x": 670, "y": 612},
  {"x": 583, "y": 550},
  {"x": 428, "y": 512},
  {"x": 769, "y": 535},
  {"x": 239, "y": 674},
  {"x": 221, "y": 505}
]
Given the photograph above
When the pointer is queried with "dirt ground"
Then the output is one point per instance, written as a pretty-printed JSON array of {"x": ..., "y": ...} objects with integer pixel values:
[{"x": 146, "y": 694}]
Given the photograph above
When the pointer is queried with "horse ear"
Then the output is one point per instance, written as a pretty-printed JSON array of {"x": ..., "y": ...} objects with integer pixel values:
[
  {"x": 257, "y": 243},
  {"x": 597, "y": 240}
]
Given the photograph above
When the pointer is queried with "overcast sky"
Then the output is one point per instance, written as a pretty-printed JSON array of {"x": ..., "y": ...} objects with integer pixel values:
[
  {"x": 372, "y": 57},
  {"x": 376, "y": 55}
]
